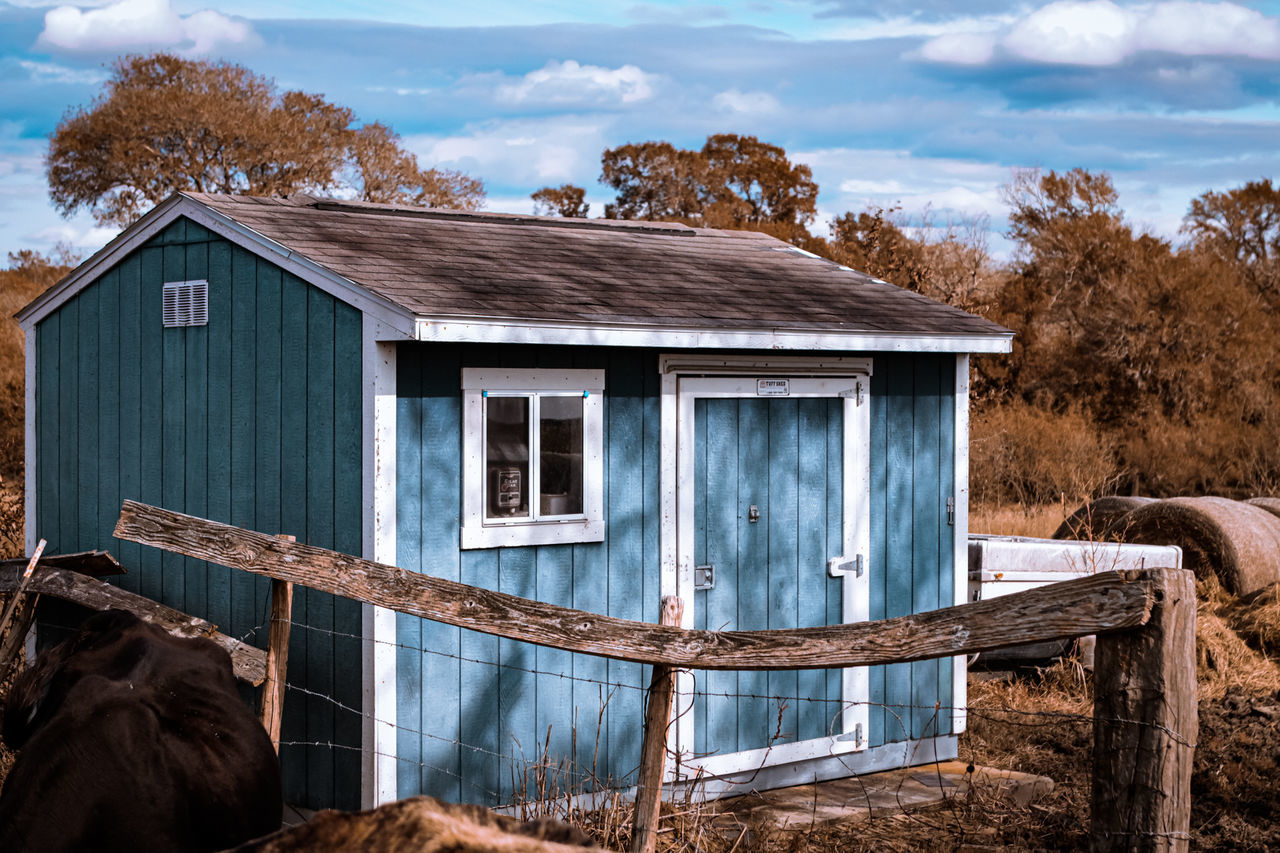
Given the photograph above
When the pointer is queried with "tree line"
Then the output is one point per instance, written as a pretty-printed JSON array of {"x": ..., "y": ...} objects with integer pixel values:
[{"x": 1139, "y": 364}]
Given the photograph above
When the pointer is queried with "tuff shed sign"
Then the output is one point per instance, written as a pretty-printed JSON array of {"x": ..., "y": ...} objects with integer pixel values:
[{"x": 773, "y": 387}]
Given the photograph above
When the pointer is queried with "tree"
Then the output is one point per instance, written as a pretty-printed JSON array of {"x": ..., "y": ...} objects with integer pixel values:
[
  {"x": 564, "y": 200},
  {"x": 165, "y": 124},
  {"x": 654, "y": 181},
  {"x": 732, "y": 182},
  {"x": 385, "y": 173},
  {"x": 750, "y": 183},
  {"x": 873, "y": 243},
  {"x": 1242, "y": 225}
]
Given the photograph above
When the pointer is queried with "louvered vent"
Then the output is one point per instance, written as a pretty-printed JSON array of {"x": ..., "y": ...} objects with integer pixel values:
[{"x": 186, "y": 303}]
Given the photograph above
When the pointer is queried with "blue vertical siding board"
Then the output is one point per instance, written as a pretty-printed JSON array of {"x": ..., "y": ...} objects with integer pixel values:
[
  {"x": 438, "y": 474},
  {"x": 625, "y": 510},
  {"x": 409, "y": 555},
  {"x": 481, "y": 770},
  {"x": 86, "y": 447},
  {"x": 244, "y": 426},
  {"x": 925, "y": 551},
  {"x": 946, "y": 543},
  {"x": 282, "y": 483},
  {"x": 108, "y": 413},
  {"x": 834, "y": 587},
  {"x": 318, "y": 443},
  {"x": 723, "y": 517},
  {"x": 700, "y": 558},
  {"x": 48, "y": 423},
  {"x": 196, "y": 440},
  {"x": 218, "y": 411},
  {"x": 517, "y": 689},
  {"x": 174, "y": 448},
  {"x": 66, "y": 537},
  {"x": 755, "y": 711},
  {"x": 348, "y": 537},
  {"x": 784, "y": 573},
  {"x": 877, "y": 561},
  {"x": 554, "y": 713},
  {"x": 151, "y": 432},
  {"x": 131, "y": 376},
  {"x": 813, "y": 717},
  {"x": 898, "y": 536}
]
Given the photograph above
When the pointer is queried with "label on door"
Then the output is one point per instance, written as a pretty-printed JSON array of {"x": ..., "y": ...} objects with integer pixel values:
[{"x": 773, "y": 387}]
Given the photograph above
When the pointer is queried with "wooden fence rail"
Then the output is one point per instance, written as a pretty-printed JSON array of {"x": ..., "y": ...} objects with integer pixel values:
[{"x": 1145, "y": 689}]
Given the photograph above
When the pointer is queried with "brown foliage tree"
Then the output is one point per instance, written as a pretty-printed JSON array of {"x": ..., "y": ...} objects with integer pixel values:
[
  {"x": 1242, "y": 225},
  {"x": 733, "y": 182},
  {"x": 165, "y": 124},
  {"x": 873, "y": 243},
  {"x": 565, "y": 200}
]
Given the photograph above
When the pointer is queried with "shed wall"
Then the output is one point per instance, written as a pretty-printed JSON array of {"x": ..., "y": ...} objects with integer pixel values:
[
  {"x": 253, "y": 420},
  {"x": 477, "y": 716}
]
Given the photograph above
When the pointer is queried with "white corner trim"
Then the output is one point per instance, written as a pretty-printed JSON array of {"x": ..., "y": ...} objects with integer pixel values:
[
  {"x": 378, "y": 783},
  {"x": 527, "y": 331},
  {"x": 29, "y": 450},
  {"x": 960, "y": 540},
  {"x": 397, "y": 322}
]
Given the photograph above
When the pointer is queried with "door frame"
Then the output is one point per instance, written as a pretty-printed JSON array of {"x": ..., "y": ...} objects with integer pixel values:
[{"x": 686, "y": 378}]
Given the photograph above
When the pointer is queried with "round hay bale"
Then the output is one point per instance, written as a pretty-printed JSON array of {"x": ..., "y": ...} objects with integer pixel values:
[
  {"x": 1237, "y": 542},
  {"x": 1093, "y": 517},
  {"x": 1271, "y": 505}
]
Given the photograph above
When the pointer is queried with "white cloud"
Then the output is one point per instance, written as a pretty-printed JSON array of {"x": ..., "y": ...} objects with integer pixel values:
[
  {"x": 745, "y": 103},
  {"x": 1101, "y": 33},
  {"x": 529, "y": 152},
  {"x": 132, "y": 24},
  {"x": 569, "y": 82},
  {"x": 87, "y": 238},
  {"x": 960, "y": 48},
  {"x": 51, "y": 72}
]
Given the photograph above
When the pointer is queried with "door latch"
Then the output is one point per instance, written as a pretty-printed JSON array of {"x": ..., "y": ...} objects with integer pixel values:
[
  {"x": 704, "y": 577},
  {"x": 841, "y": 566}
]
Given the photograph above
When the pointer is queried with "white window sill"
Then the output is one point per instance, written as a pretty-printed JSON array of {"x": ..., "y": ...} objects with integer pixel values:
[{"x": 538, "y": 533}]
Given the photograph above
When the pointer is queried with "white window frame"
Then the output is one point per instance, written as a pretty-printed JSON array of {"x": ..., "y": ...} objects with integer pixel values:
[{"x": 588, "y": 526}]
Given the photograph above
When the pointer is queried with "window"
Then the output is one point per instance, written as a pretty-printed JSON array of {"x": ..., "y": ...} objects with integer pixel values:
[{"x": 533, "y": 457}]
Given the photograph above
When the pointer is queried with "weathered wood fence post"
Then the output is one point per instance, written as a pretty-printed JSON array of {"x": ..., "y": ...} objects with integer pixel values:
[
  {"x": 653, "y": 749},
  {"x": 1146, "y": 724},
  {"x": 272, "y": 710}
]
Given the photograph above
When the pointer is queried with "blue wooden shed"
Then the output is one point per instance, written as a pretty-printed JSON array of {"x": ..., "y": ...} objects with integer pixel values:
[{"x": 591, "y": 413}]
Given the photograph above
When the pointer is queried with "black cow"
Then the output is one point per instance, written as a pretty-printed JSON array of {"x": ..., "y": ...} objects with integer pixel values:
[{"x": 132, "y": 739}]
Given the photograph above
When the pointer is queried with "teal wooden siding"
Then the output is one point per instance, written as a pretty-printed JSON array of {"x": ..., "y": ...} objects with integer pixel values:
[
  {"x": 476, "y": 714},
  {"x": 255, "y": 420}
]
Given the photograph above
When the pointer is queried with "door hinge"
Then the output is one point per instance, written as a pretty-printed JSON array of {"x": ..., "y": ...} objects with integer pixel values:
[
  {"x": 855, "y": 393},
  {"x": 855, "y": 736},
  {"x": 840, "y": 566},
  {"x": 951, "y": 511}
]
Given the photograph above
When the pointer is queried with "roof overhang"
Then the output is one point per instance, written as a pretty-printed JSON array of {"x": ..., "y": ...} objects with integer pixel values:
[
  {"x": 524, "y": 331},
  {"x": 396, "y": 320}
]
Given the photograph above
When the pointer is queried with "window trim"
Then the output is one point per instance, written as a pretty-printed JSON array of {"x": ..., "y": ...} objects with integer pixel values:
[{"x": 585, "y": 527}]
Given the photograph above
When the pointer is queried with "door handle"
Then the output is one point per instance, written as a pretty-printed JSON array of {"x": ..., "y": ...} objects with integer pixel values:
[{"x": 704, "y": 577}]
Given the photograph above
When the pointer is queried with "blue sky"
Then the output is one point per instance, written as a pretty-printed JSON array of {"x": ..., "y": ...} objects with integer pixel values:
[{"x": 929, "y": 106}]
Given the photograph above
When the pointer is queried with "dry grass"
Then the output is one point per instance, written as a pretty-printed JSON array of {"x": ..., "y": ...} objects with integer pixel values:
[{"x": 1007, "y": 519}]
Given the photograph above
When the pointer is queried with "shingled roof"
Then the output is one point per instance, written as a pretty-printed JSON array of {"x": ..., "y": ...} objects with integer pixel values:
[{"x": 457, "y": 267}]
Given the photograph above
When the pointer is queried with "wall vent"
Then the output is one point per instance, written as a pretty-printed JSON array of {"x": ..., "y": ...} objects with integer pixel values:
[{"x": 186, "y": 303}]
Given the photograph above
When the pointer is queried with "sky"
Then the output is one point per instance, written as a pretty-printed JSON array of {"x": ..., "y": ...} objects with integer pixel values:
[{"x": 928, "y": 108}]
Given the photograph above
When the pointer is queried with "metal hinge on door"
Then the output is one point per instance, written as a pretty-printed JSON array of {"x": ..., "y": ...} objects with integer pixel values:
[
  {"x": 951, "y": 511},
  {"x": 855, "y": 736},
  {"x": 855, "y": 393},
  {"x": 840, "y": 566}
]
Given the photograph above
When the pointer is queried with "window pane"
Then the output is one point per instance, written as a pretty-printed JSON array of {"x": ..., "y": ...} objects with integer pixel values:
[
  {"x": 560, "y": 465},
  {"x": 506, "y": 457}
]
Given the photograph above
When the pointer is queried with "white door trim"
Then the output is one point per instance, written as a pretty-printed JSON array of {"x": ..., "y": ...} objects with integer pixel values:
[{"x": 678, "y": 395}]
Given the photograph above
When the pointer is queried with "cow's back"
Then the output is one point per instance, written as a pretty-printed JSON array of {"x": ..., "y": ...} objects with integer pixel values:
[{"x": 135, "y": 740}]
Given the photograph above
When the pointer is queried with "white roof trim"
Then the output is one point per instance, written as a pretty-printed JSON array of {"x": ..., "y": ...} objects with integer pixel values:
[
  {"x": 394, "y": 317},
  {"x": 474, "y": 330}
]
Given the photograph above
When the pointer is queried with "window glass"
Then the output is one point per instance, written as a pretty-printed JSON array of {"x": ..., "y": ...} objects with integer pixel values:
[
  {"x": 506, "y": 457},
  {"x": 560, "y": 455}
]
